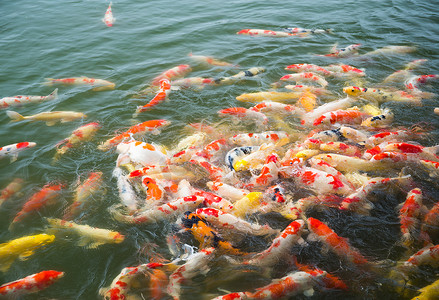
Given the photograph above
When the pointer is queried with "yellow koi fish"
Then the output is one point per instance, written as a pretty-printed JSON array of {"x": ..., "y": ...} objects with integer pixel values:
[{"x": 51, "y": 118}]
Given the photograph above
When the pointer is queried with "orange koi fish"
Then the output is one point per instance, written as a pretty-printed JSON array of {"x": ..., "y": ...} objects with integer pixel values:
[
  {"x": 244, "y": 113},
  {"x": 79, "y": 135},
  {"x": 135, "y": 131},
  {"x": 46, "y": 196},
  {"x": 97, "y": 84},
  {"x": 162, "y": 94},
  {"x": 175, "y": 72},
  {"x": 13, "y": 149},
  {"x": 108, "y": 17},
  {"x": 30, "y": 284},
  {"x": 12, "y": 188},
  {"x": 90, "y": 186},
  {"x": 350, "y": 116},
  {"x": 20, "y": 100},
  {"x": 302, "y": 68},
  {"x": 154, "y": 192},
  {"x": 409, "y": 214},
  {"x": 338, "y": 244},
  {"x": 308, "y": 101}
]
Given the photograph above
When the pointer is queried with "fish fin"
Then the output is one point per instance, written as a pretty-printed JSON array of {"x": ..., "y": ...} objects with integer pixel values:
[
  {"x": 14, "y": 157},
  {"x": 94, "y": 245},
  {"x": 309, "y": 292},
  {"x": 54, "y": 94},
  {"x": 84, "y": 242},
  {"x": 25, "y": 255},
  {"x": 334, "y": 48},
  {"x": 6, "y": 264},
  {"x": 14, "y": 116},
  {"x": 50, "y": 123}
]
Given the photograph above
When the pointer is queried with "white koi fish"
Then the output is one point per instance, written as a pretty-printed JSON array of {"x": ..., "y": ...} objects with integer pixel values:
[
  {"x": 140, "y": 153},
  {"x": 108, "y": 17},
  {"x": 51, "y": 118},
  {"x": 97, "y": 84},
  {"x": 126, "y": 191},
  {"x": 305, "y": 30},
  {"x": 90, "y": 237},
  {"x": 20, "y": 100},
  {"x": 13, "y": 149}
]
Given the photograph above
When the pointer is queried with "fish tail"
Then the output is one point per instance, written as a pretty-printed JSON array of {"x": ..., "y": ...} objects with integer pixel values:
[
  {"x": 329, "y": 30},
  {"x": 14, "y": 116},
  {"x": 49, "y": 81},
  {"x": 54, "y": 94}
]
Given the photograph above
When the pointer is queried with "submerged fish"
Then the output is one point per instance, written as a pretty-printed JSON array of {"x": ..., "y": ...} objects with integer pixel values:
[
  {"x": 51, "y": 118},
  {"x": 20, "y": 100}
]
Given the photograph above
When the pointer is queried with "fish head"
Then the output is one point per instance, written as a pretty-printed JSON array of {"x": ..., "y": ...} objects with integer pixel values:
[{"x": 352, "y": 91}]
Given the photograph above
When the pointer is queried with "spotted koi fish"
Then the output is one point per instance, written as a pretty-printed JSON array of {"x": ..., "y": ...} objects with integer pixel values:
[
  {"x": 279, "y": 138},
  {"x": 269, "y": 106},
  {"x": 162, "y": 94},
  {"x": 344, "y": 52},
  {"x": 140, "y": 153},
  {"x": 108, "y": 17},
  {"x": 171, "y": 74},
  {"x": 12, "y": 188},
  {"x": 305, "y": 77},
  {"x": 269, "y": 33},
  {"x": 97, "y": 84},
  {"x": 13, "y": 149},
  {"x": 227, "y": 191},
  {"x": 238, "y": 153},
  {"x": 426, "y": 256},
  {"x": 381, "y": 96},
  {"x": 245, "y": 113},
  {"x": 414, "y": 82},
  {"x": 211, "y": 61},
  {"x": 20, "y": 100},
  {"x": 302, "y": 68},
  {"x": 409, "y": 215},
  {"x": 46, "y": 196},
  {"x": 79, "y": 135},
  {"x": 345, "y": 70},
  {"x": 127, "y": 194},
  {"x": 338, "y": 244},
  {"x": 382, "y": 120},
  {"x": 305, "y": 30},
  {"x": 194, "y": 82},
  {"x": 350, "y": 116},
  {"x": 241, "y": 75},
  {"x": 30, "y": 284}
]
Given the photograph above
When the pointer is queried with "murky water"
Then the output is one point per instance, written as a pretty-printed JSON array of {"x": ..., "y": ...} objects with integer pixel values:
[{"x": 56, "y": 39}]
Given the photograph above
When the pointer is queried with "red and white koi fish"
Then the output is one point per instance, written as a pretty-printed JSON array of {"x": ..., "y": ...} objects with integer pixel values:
[
  {"x": 245, "y": 113},
  {"x": 79, "y": 135},
  {"x": 51, "y": 117},
  {"x": 305, "y": 77},
  {"x": 381, "y": 96},
  {"x": 340, "y": 104},
  {"x": 378, "y": 121},
  {"x": 409, "y": 216},
  {"x": 269, "y": 171},
  {"x": 296, "y": 210},
  {"x": 162, "y": 94},
  {"x": 337, "y": 243},
  {"x": 341, "y": 148},
  {"x": 19, "y": 100},
  {"x": 305, "y": 30},
  {"x": 227, "y": 191},
  {"x": 46, "y": 196},
  {"x": 197, "y": 83},
  {"x": 13, "y": 149},
  {"x": 277, "y": 107},
  {"x": 212, "y": 200},
  {"x": 345, "y": 70},
  {"x": 302, "y": 68},
  {"x": 29, "y": 284},
  {"x": 211, "y": 61},
  {"x": 344, "y": 52},
  {"x": 428, "y": 153},
  {"x": 429, "y": 223},
  {"x": 90, "y": 237},
  {"x": 135, "y": 131},
  {"x": 173, "y": 73},
  {"x": 211, "y": 150},
  {"x": 414, "y": 83},
  {"x": 97, "y": 84},
  {"x": 215, "y": 173},
  {"x": 108, "y": 17},
  {"x": 83, "y": 192},
  {"x": 270, "y": 33},
  {"x": 389, "y": 136},
  {"x": 349, "y": 116},
  {"x": 127, "y": 194},
  {"x": 280, "y": 247},
  {"x": 140, "y": 153},
  {"x": 12, "y": 188},
  {"x": 279, "y": 138},
  {"x": 162, "y": 212},
  {"x": 231, "y": 225},
  {"x": 196, "y": 264},
  {"x": 282, "y": 97},
  {"x": 426, "y": 256}
]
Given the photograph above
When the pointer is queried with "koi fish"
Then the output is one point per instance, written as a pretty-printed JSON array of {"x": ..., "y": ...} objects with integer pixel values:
[
  {"x": 30, "y": 284},
  {"x": 22, "y": 248},
  {"x": 255, "y": 159},
  {"x": 126, "y": 193},
  {"x": 345, "y": 70},
  {"x": 162, "y": 212},
  {"x": 154, "y": 192},
  {"x": 83, "y": 192},
  {"x": 270, "y": 33},
  {"x": 282, "y": 97},
  {"x": 280, "y": 247},
  {"x": 162, "y": 94},
  {"x": 243, "y": 112},
  {"x": 413, "y": 83},
  {"x": 79, "y": 135},
  {"x": 308, "y": 101},
  {"x": 301, "y": 88},
  {"x": 409, "y": 214},
  {"x": 344, "y": 52},
  {"x": 13, "y": 149},
  {"x": 269, "y": 106},
  {"x": 304, "y": 30},
  {"x": 338, "y": 244},
  {"x": 173, "y": 73},
  {"x": 193, "y": 82},
  {"x": 241, "y": 75},
  {"x": 381, "y": 96},
  {"x": 237, "y": 154},
  {"x": 51, "y": 118},
  {"x": 135, "y": 131},
  {"x": 428, "y": 292},
  {"x": 341, "y": 148},
  {"x": 247, "y": 205},
  {"x": 227, "y": 191},
  {"x": 429, "y": 223},
  {"x": 89, "y": 237},
  {"x": 269, "y": 172},
  {"x": 428, "y": 255},
  {"x": 20, "y": 100},
  {"x": 97, "y": 84},
  {"x": 46, "y": 196},
  {"x": 349, "y": 116},
  {"x": 305, "y": 77},
  {"x": 211, "y": 61},
  {"x": 279, "y": 138},
  {"x": 378, "y": 121},
  {"x": 12, "y": 188},
  {"x": 108, "y": 17},
  {"x": 214, "y": 201},
  {"x": 340, "y": 104},
  {"x": 140, "y": 153},
  {"x": 304, "y": 68}
]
